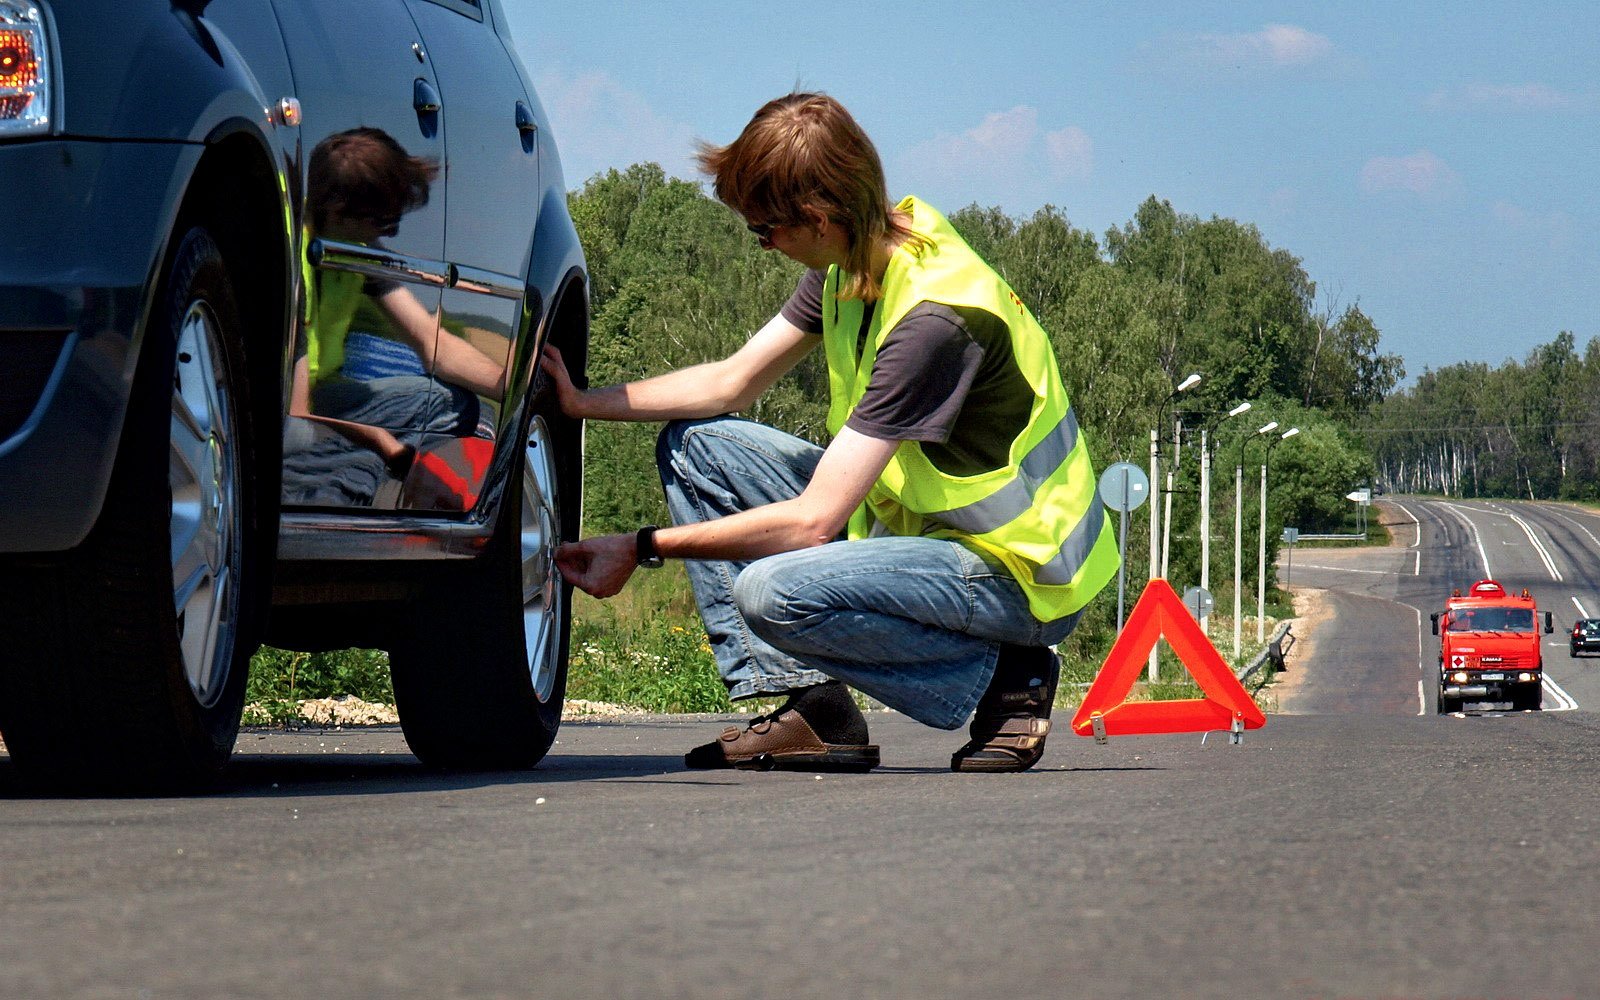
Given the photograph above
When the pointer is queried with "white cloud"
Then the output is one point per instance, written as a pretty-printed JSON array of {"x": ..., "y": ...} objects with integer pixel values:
[
  {"x": 1274, "y": 47},
  {"x": 599, "y": 124},
  {"x": 1070, "y": 152},
  {"x": 1503, "y": 97},
  {"x": 1422, "y": 173},
  {"x": 1004, "y": 150}
]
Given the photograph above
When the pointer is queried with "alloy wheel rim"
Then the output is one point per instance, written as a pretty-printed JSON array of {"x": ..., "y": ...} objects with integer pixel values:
[
  {"x": 542, "y": 592},
  {"x": 203, "y": 473}
]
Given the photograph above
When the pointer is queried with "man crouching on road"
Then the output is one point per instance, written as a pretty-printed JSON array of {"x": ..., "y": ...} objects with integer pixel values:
[{"x": 945, "y": 539}]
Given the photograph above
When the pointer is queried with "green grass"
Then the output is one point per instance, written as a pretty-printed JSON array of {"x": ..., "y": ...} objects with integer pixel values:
[{"x": 646, "y": 650}]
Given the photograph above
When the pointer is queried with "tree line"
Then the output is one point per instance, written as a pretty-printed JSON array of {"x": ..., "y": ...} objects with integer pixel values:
[
  {"x": 676, "y": 280},
  {"x": 1523, "y": 429}
]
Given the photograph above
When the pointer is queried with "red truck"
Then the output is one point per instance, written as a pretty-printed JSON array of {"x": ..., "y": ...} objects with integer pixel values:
[{"x": 1489, "y": 648}]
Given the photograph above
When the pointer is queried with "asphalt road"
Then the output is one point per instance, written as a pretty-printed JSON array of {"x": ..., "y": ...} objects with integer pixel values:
[
  {"x": 1383, "y": 598},
  {"x": 1363, "y": 852}
]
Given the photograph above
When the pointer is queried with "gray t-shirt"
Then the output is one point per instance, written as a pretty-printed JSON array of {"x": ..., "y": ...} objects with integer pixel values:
[{"x": 944, "y": 376}]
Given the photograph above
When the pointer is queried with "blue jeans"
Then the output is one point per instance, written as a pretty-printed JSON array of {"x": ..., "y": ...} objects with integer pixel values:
[{"x": 914, "y": 622}]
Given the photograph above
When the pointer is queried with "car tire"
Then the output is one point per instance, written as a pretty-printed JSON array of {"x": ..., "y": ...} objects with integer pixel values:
[
  {"x": 480, "y": 675},
  {"x": 1448, "y": 705},
  {"x": 1529, "y": 701},
  {"x": 130, "y": 654}
]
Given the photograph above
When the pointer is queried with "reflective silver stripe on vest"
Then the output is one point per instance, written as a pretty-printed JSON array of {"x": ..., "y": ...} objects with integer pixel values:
[
  {"x": 1075, "y": 552},
  {"x": 1013, "y": 499}
]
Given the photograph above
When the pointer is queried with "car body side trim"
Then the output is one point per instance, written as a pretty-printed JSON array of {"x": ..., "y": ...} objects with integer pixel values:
[
  {"x": 377, "y": 262},
  {"x": 313, "y": 536},
  {"x": 474, "y": 279}
]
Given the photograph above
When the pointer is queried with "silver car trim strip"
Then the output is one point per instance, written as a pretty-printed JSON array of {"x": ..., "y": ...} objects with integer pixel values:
[
  {"x": 315, "y": 536},
  {"x": 473, "y": 279},
  {"x": 377, "y": 262}
]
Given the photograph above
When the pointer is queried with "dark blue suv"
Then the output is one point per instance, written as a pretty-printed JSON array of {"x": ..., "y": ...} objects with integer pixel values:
[{"x": 275, "y": 280}]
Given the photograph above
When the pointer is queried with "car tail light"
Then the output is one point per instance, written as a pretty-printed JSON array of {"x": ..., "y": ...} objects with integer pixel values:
[{"x": 24, "y": 69}]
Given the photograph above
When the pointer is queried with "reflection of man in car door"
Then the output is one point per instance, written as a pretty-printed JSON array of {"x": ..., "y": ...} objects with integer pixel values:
[{"x": 372, "y": 388}]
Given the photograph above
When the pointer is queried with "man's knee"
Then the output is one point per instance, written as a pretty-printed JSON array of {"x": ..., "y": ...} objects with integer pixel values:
[
  {"x": 677, "y": 439},
  {"x": 762, "y": 595}
]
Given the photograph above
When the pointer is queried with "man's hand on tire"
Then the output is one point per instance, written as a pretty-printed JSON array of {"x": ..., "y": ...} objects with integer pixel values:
[{"x": 598, "y": 566}]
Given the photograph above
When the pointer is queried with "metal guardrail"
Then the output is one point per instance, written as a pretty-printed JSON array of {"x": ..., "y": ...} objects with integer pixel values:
[{"x": 1274, "y": 651}]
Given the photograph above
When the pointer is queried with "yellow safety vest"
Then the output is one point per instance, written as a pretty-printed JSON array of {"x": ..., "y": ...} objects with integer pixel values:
[
  {"x": 1039, "y": 515},
  {"x": 331, "y": 298}
]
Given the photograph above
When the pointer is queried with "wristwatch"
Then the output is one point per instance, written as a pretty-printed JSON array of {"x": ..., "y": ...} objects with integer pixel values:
[{"x": 644, "y": 544}]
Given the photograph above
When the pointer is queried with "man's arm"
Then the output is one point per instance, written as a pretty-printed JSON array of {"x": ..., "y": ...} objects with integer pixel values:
[
  {"x": 445, "y": 355},
  {"x": 851, "y": 464},
  {"x": 707, "y": 390}
]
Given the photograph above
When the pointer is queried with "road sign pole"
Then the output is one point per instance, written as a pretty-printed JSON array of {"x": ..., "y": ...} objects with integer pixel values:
[
  {"x": 1238, "y": 531},
  {"x": 1205, "y": 523},
  {"x": 1166, "y": 528},
  {"x": 1122, "y": 564},
  {"x": 1123, "y": 488},
  {"x": 1261, "y": 564},
  {"x": 1155, "y": 532}
]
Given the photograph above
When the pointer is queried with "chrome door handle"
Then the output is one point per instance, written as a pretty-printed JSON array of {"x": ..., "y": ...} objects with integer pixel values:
[
  {"x": 424, "y": 97},
  {"x": 525, "y": 120}
]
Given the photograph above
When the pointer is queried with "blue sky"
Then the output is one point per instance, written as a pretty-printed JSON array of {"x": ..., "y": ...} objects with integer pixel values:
[{"x": 1434, "y": 163}]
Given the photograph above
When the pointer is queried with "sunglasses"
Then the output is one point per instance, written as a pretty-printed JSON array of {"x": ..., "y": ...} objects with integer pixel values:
[{"x": 763, "y": 230}]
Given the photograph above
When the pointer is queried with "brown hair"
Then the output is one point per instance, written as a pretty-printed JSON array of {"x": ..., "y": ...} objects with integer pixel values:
[
  {"x": 804, "y": 152},
  {"x": 363, "y": 173}
]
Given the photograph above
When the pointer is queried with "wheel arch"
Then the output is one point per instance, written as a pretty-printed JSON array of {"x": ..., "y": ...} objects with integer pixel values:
[
  {"x": 240, "y": 196},
  {"x": 555, "y": 310}
]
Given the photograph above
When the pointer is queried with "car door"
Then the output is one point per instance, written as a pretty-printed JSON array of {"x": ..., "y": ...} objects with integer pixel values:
[
  {"x": 371, "y": 180},
  {"x": 492, "y": 188}
]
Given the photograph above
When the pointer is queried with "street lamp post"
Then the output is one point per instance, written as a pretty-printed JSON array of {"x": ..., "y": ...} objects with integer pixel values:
[
  {"x": 1261, "y": 539},
  {"x": 1205, "y": 502},
  {"x": 1238, "y": 533},
  {"x": 1155, "y": 483}
]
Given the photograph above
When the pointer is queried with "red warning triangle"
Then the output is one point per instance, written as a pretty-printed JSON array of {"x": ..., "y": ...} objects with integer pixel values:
[{"x": 1160, "y": 613}]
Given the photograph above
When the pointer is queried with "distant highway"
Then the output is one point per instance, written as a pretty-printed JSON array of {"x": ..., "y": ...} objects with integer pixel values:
[{"x": 1379, "y": 653}]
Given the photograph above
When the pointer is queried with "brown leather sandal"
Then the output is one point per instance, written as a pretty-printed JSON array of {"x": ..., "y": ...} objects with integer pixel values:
[
  {"x": 783, "y": 741},
  {"x": 1009, "y": 728}
]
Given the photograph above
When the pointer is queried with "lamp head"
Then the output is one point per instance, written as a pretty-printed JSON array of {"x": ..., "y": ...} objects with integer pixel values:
[
  {"x": 1291, "y": 432},
  {"x": 1241, "y": 408},
  {"x": 1268, "y": 427},
  {"x": 1188, "y": 383}
]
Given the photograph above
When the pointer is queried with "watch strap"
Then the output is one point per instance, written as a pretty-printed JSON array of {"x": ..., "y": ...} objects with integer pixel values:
[{"x": 644, "y": 544}]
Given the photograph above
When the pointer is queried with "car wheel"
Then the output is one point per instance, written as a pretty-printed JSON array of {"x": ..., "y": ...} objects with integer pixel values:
[
  {"x": 480, "y": 679},
  {"x": 1448, "y": 705},
  {"x": 131, "y": 662},
  {"x": 1528, "y": 701}
]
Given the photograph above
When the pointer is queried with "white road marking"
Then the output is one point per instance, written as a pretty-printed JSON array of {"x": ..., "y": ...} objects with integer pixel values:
[
  {"x": 1348, "y": 569},
  {"x": 1415, "y": 541},
  {"x": 1581, "y": 613},
  {"x": 1575, "y": 524},
  {"x": 1544, "y": 553},
  {"x": 1488, "y": 574},
  {"x": 1564, "y": 702},
  {"x": 1422, "y": 667}
]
